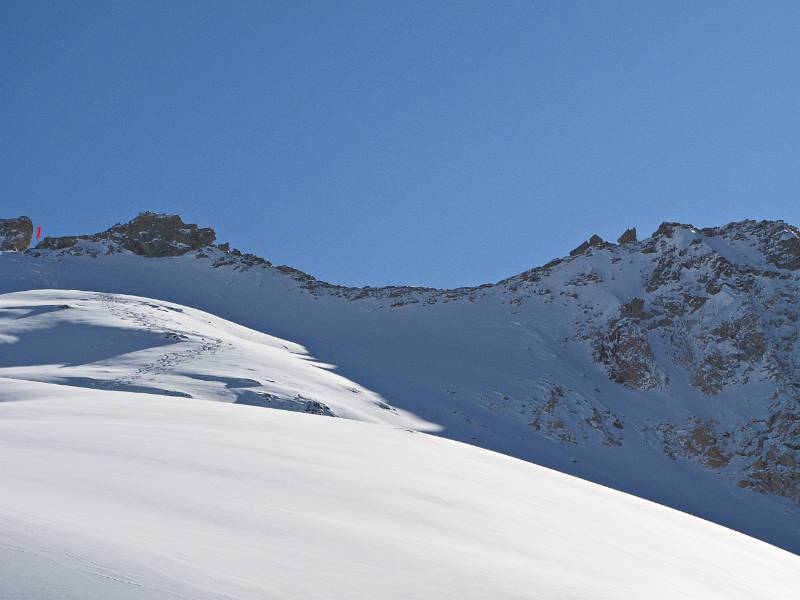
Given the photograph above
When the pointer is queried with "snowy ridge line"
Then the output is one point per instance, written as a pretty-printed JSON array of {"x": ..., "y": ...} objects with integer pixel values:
[{"x": 778, "y": 250}]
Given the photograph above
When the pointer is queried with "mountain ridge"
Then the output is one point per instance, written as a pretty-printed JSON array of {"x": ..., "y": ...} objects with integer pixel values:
[
  {"x": 200, "y": 237},
  {"x": 664, "y": 367}
]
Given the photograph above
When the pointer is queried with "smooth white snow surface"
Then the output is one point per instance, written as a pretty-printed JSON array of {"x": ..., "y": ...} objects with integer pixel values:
[
  {"x": 127, "y": 343},
  {"x": 108, "y": 495}
]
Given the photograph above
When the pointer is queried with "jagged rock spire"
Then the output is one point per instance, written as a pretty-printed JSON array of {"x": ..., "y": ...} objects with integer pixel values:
[{"x": 627, "y": 237}]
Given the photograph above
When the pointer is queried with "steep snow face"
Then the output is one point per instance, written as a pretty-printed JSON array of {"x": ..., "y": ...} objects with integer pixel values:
[
  {"x": 665, "y": 367},
  {"x": 114, "y": 342},
  {"x": 111, "y": 495}
]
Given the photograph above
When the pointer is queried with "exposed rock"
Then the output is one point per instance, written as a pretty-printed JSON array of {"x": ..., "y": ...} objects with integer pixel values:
[
  {"x": 593, "y": 242},
  {"x": 552, "y": 263},
  {"x": 626, "y": 353},
  {"x": 732, "y": 350},
  {"x": 775, "y": 446},
  {"x": 787, "y": 255},
  {"x": 567, "y": 416},
  {"x": 694, "y": 302},
  {"x": 627, "y": 237},
  {"x": 698, "y": 441},
  {"x": 783, "y": 249},
  {"x": 152, "y": 234},
  {"x": 316, "y": 407},
  {"x": 712, "y": 373},
  {"x": 702, "y": 441},
  {"x": 667, "y": 271},
  {"x": 295, "y": 404},
  {"x": 15, "y": 234},
  {"x": 666, "y": 229},
  {"x": 149, "y": 234},
  {"x": 580, "y": 249},
  {"x": 59, "y": 243},
  {"x": 633, "y": 309}
]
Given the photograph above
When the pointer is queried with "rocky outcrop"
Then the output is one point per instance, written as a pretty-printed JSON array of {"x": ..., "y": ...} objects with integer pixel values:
[
  {"x": 562, "y": 414},
  {"x": 772, "y": 447},
  {"x": 15, "y": 234},
  {"x": 667, "y": 228},
  {"x": 149, "y": 234},
  {"x": 782, "y": 247},
  {"x": 625, "y": 351},
  {"x": 697, "y": 441},
  {"x": 152, "y": 235},
  {"x": 633, "y": 309},
  {"x": 593, "y": 242},
  {"x": 628, "y": 237}
]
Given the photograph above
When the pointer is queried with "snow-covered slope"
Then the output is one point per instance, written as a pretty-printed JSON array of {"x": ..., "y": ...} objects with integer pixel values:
[
  {"x": 113, "y": 342},
  {"x": 108, "y": 495},
  {"x": 665, "y": 367}
]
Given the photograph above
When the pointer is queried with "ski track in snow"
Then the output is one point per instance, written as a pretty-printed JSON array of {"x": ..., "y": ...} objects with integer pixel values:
[{"x": 167, "y": 361}]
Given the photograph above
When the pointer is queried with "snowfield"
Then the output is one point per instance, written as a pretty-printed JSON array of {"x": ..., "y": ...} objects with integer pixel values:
[
  {"x": 127, "y": 343},
  {"x": 141, "y": 457},
  {"x": 109, "y": 495}
]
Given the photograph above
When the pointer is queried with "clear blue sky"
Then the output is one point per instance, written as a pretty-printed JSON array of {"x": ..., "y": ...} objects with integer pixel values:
[{"x": 439, "y": 143}]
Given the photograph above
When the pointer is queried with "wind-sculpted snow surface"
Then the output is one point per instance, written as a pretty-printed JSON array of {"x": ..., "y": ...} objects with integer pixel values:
[
  {"x": 665, "y": 367},
  {"x": 124, "y": 496},
  {"x": 125, "y": 343}
]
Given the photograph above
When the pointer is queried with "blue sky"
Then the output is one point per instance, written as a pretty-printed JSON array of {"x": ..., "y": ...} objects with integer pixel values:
[{"x": 436, "y": 143}]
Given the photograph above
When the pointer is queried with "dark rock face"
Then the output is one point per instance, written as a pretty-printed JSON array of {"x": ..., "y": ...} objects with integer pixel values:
[
  {"x": 627, "y": 237},
  {"x": 634, "y": 308},
  {"x": 698, "y": 441},
  {"x": 626, "y": 353},
  {"x": 782, "y": 247},
  {"x": 15, "y": 234},
  {"x": 666, "y": 228},
  {"x": 152, "y": 235},
  {"x": 60, "y": 243},
  {"x": 562, "y": 414},
  {"x": 149, "y": 234},
  {"x": 593, "y": 242}
]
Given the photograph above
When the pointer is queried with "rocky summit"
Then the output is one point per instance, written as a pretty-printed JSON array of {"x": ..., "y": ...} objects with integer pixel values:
[
  {"x": 149, "y": 234},
  {"x": 15, "y": 234}
]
